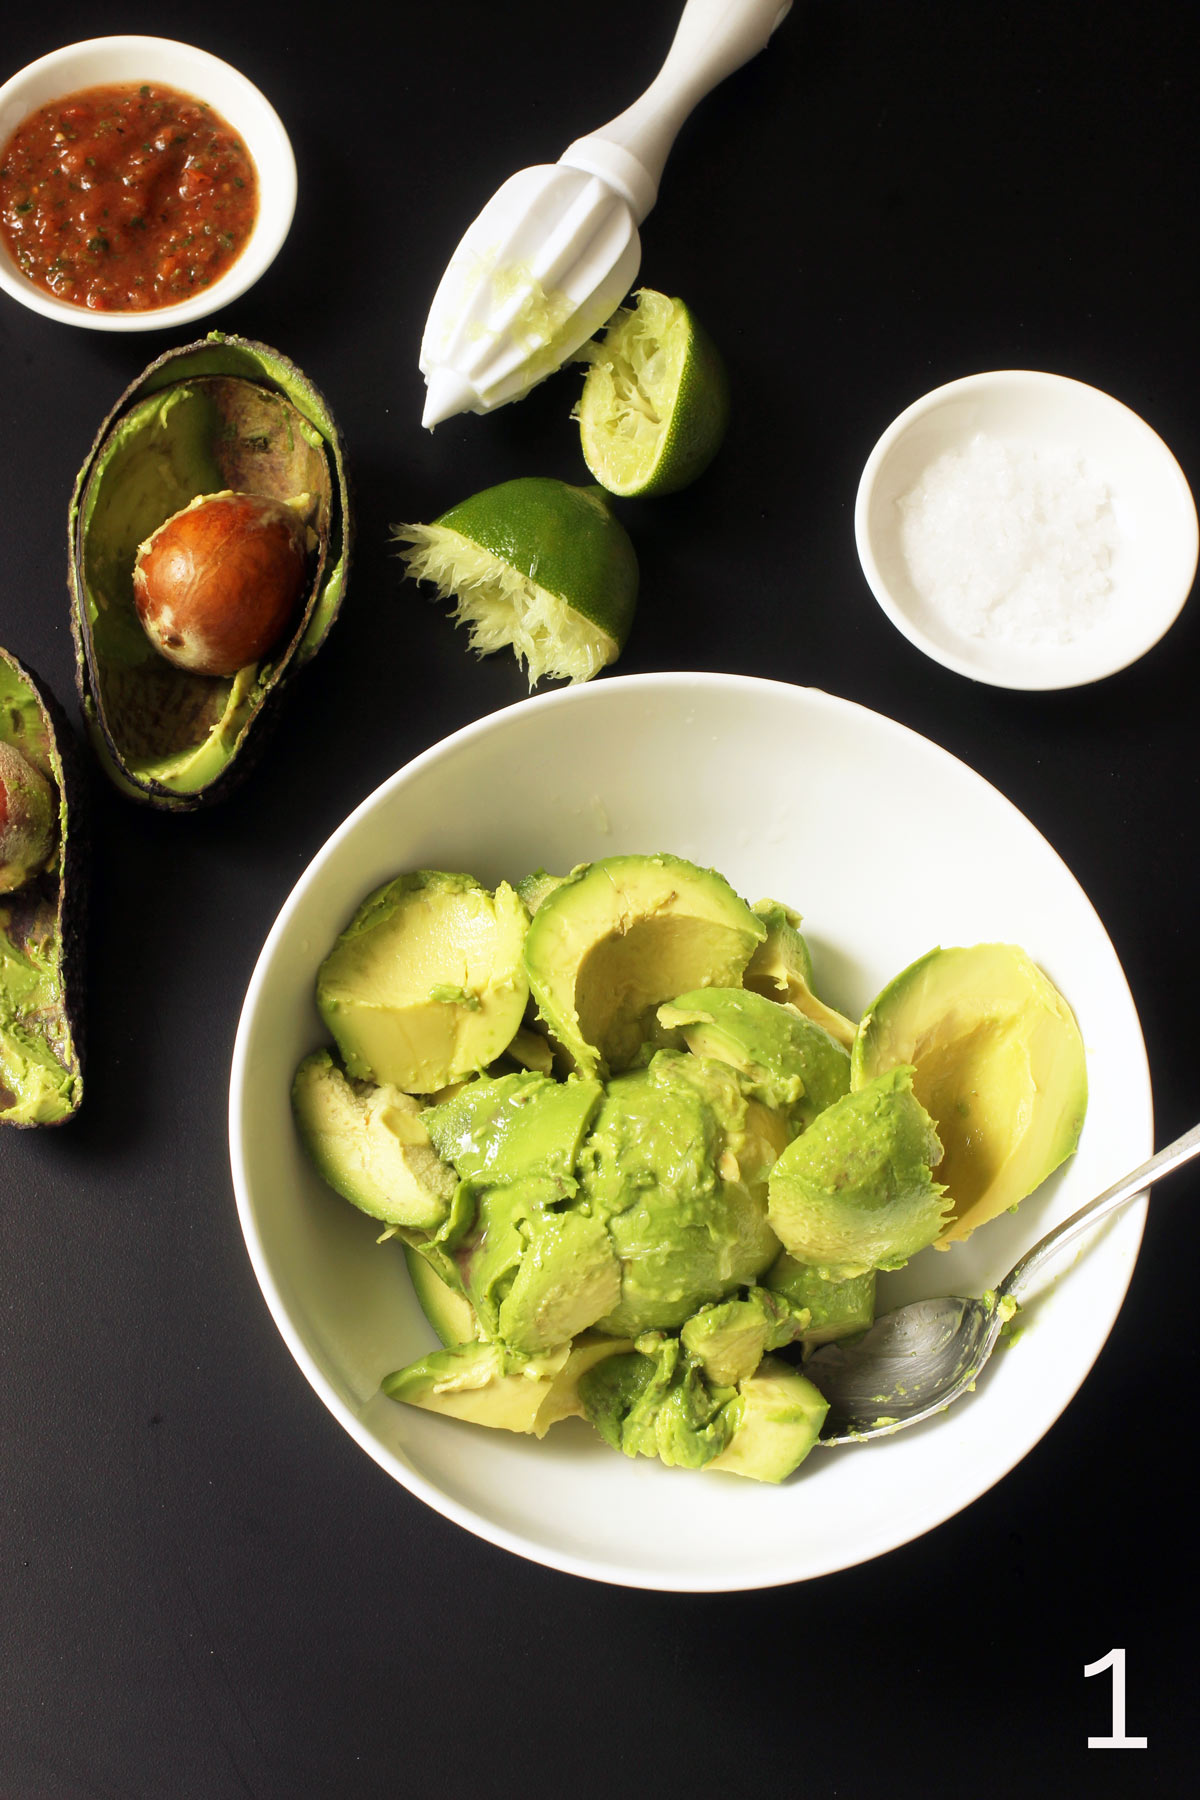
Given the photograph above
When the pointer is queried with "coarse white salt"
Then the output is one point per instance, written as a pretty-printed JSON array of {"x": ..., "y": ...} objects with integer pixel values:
[{"x": 1011, "y": 543}]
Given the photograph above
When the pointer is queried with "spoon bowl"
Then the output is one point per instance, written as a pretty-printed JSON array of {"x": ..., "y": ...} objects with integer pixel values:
[{"x": 918, "y": 1360}]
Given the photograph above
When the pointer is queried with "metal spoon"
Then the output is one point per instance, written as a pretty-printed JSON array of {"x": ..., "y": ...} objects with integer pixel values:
[{"x": 915, "y": 1361}]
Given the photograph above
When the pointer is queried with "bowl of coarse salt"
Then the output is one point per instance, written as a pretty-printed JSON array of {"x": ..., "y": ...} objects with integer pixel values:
[{"x": 1026, "y": 530}]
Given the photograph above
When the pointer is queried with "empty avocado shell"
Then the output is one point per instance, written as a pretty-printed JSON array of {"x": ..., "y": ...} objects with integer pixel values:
[
  {"x": 41, "y": 921},
  {"x": 221, "y": 414}
]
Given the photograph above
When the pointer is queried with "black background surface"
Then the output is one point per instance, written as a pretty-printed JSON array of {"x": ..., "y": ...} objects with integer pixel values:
[{"x": 206, "y": 1589}]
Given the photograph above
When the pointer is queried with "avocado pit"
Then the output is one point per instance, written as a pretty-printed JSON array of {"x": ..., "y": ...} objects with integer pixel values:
[{"x": 217, "y": 583}]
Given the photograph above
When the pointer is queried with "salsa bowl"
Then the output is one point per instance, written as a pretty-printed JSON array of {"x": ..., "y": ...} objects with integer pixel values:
[
  {"x": 790, "y": 793},
  {"x": 100, "y": 62}
]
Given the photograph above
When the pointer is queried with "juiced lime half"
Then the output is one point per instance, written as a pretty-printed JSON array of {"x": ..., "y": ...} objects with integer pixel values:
[
  {"x": 655, "y": 403},
  {"x": 536, "y": 566}
]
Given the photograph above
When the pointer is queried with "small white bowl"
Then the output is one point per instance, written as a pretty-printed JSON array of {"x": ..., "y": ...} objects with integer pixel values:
[
  {"x": 99, "y": 61},
  {"x": 791, "y": 793},
  {"x": 1154, "y": 562}
]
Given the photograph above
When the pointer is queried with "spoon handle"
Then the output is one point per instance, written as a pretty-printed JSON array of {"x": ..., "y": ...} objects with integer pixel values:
[{"x": 1120, "y": 1194}]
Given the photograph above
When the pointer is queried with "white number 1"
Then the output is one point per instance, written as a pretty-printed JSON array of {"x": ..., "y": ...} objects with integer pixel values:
[{"x": 1115, "y": 1660}]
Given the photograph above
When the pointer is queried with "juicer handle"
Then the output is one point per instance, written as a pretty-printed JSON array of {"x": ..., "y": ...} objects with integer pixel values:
[{"x": 713, "y": 38}]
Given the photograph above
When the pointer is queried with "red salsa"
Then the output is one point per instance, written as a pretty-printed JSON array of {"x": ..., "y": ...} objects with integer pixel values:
[{"x": 126, "y": 198}]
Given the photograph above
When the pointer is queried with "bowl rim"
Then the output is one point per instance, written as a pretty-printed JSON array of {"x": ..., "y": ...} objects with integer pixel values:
[
  {"x": 276, "y": 200},
  {"x": 412, "y": 1479},
  {"x": 1069, "y": 388}
]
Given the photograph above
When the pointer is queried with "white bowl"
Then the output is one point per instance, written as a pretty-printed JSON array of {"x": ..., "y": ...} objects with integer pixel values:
[
  {"x": 1154, "y": 515},
  {"x": 889, "y": 846},
  {"x": 99, "y": 61}
]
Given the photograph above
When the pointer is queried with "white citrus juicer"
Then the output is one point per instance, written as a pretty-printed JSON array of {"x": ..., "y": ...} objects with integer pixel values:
[{"x": 556, "y": 249}]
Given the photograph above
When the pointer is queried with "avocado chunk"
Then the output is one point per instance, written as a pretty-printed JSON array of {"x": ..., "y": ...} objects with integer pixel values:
[
  {"x": 530, "y": 1050},
  {"x": 534, "y": 887},
  {"x": 507, "y": 1127},
  {"x": 479, "y": 1383},
  {"x": 425, "y": 985},
  {"x": 675, "y": 1164},
  {"x": 536, "y": 1271},
  {"x": 476, "y": 1382},
  {"x": 999, "y": 1065},
  {"x": 856, "y": 1191},
  {"x": 448, "y": 1310},
  {"x": 836, "y": 1309},
  {"x": 220, "y": 415},
  {"x": 787, "y": 1061},
  {"x": 43, "y": 898},
  {"x": 781, "y": 969},
  {"x": 728, "y": 1339},
  {"x": 775, "y": 1421},
  {"x": 624, "y": 1208},
  {"x": 654, "y": 1401},
  {"x": 619, "y": 936},
  {"x": 370, "y": 1143}
]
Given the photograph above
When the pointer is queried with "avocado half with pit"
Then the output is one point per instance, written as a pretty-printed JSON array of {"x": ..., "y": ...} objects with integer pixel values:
[
  {"x": 998, "y": 1064},
  {"x": 218, "y": 416},
  {"x": 42, "y": 904}
]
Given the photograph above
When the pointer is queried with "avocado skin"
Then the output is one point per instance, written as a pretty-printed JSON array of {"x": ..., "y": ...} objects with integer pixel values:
[
  {"x": 225, "y": 354},
  {"x": 66, "y": 887}
]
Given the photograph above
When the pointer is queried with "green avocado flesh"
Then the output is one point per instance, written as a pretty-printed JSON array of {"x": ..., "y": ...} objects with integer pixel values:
[
  {"x": 370, "y": 1143},
  {"x": 781, "y": 968},
  {"x": 40, "y": 1077},
  {"x": 998, "y": 1064},
  {"x": 478, "y": 1383},
  {"x": 652, "y": 1240},
  {"x": 223, "y": 416},
  {"x": 448, "y": 1311},
  {"x": 855, "y": 1191},
  {"x": 619, "y": 936},
  {"x": 836, "y": 1309},
  {"x": 674, "y": 1165},
  {"x": 775, "y": 1421},
  {"x": 728, "y": 1339},
  {"x": 656, "y": 1401},
  {"x": 787, "y": 1061},
  {"x": 519, "y": 1125},
  {"x": 426, "y": 985}
]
